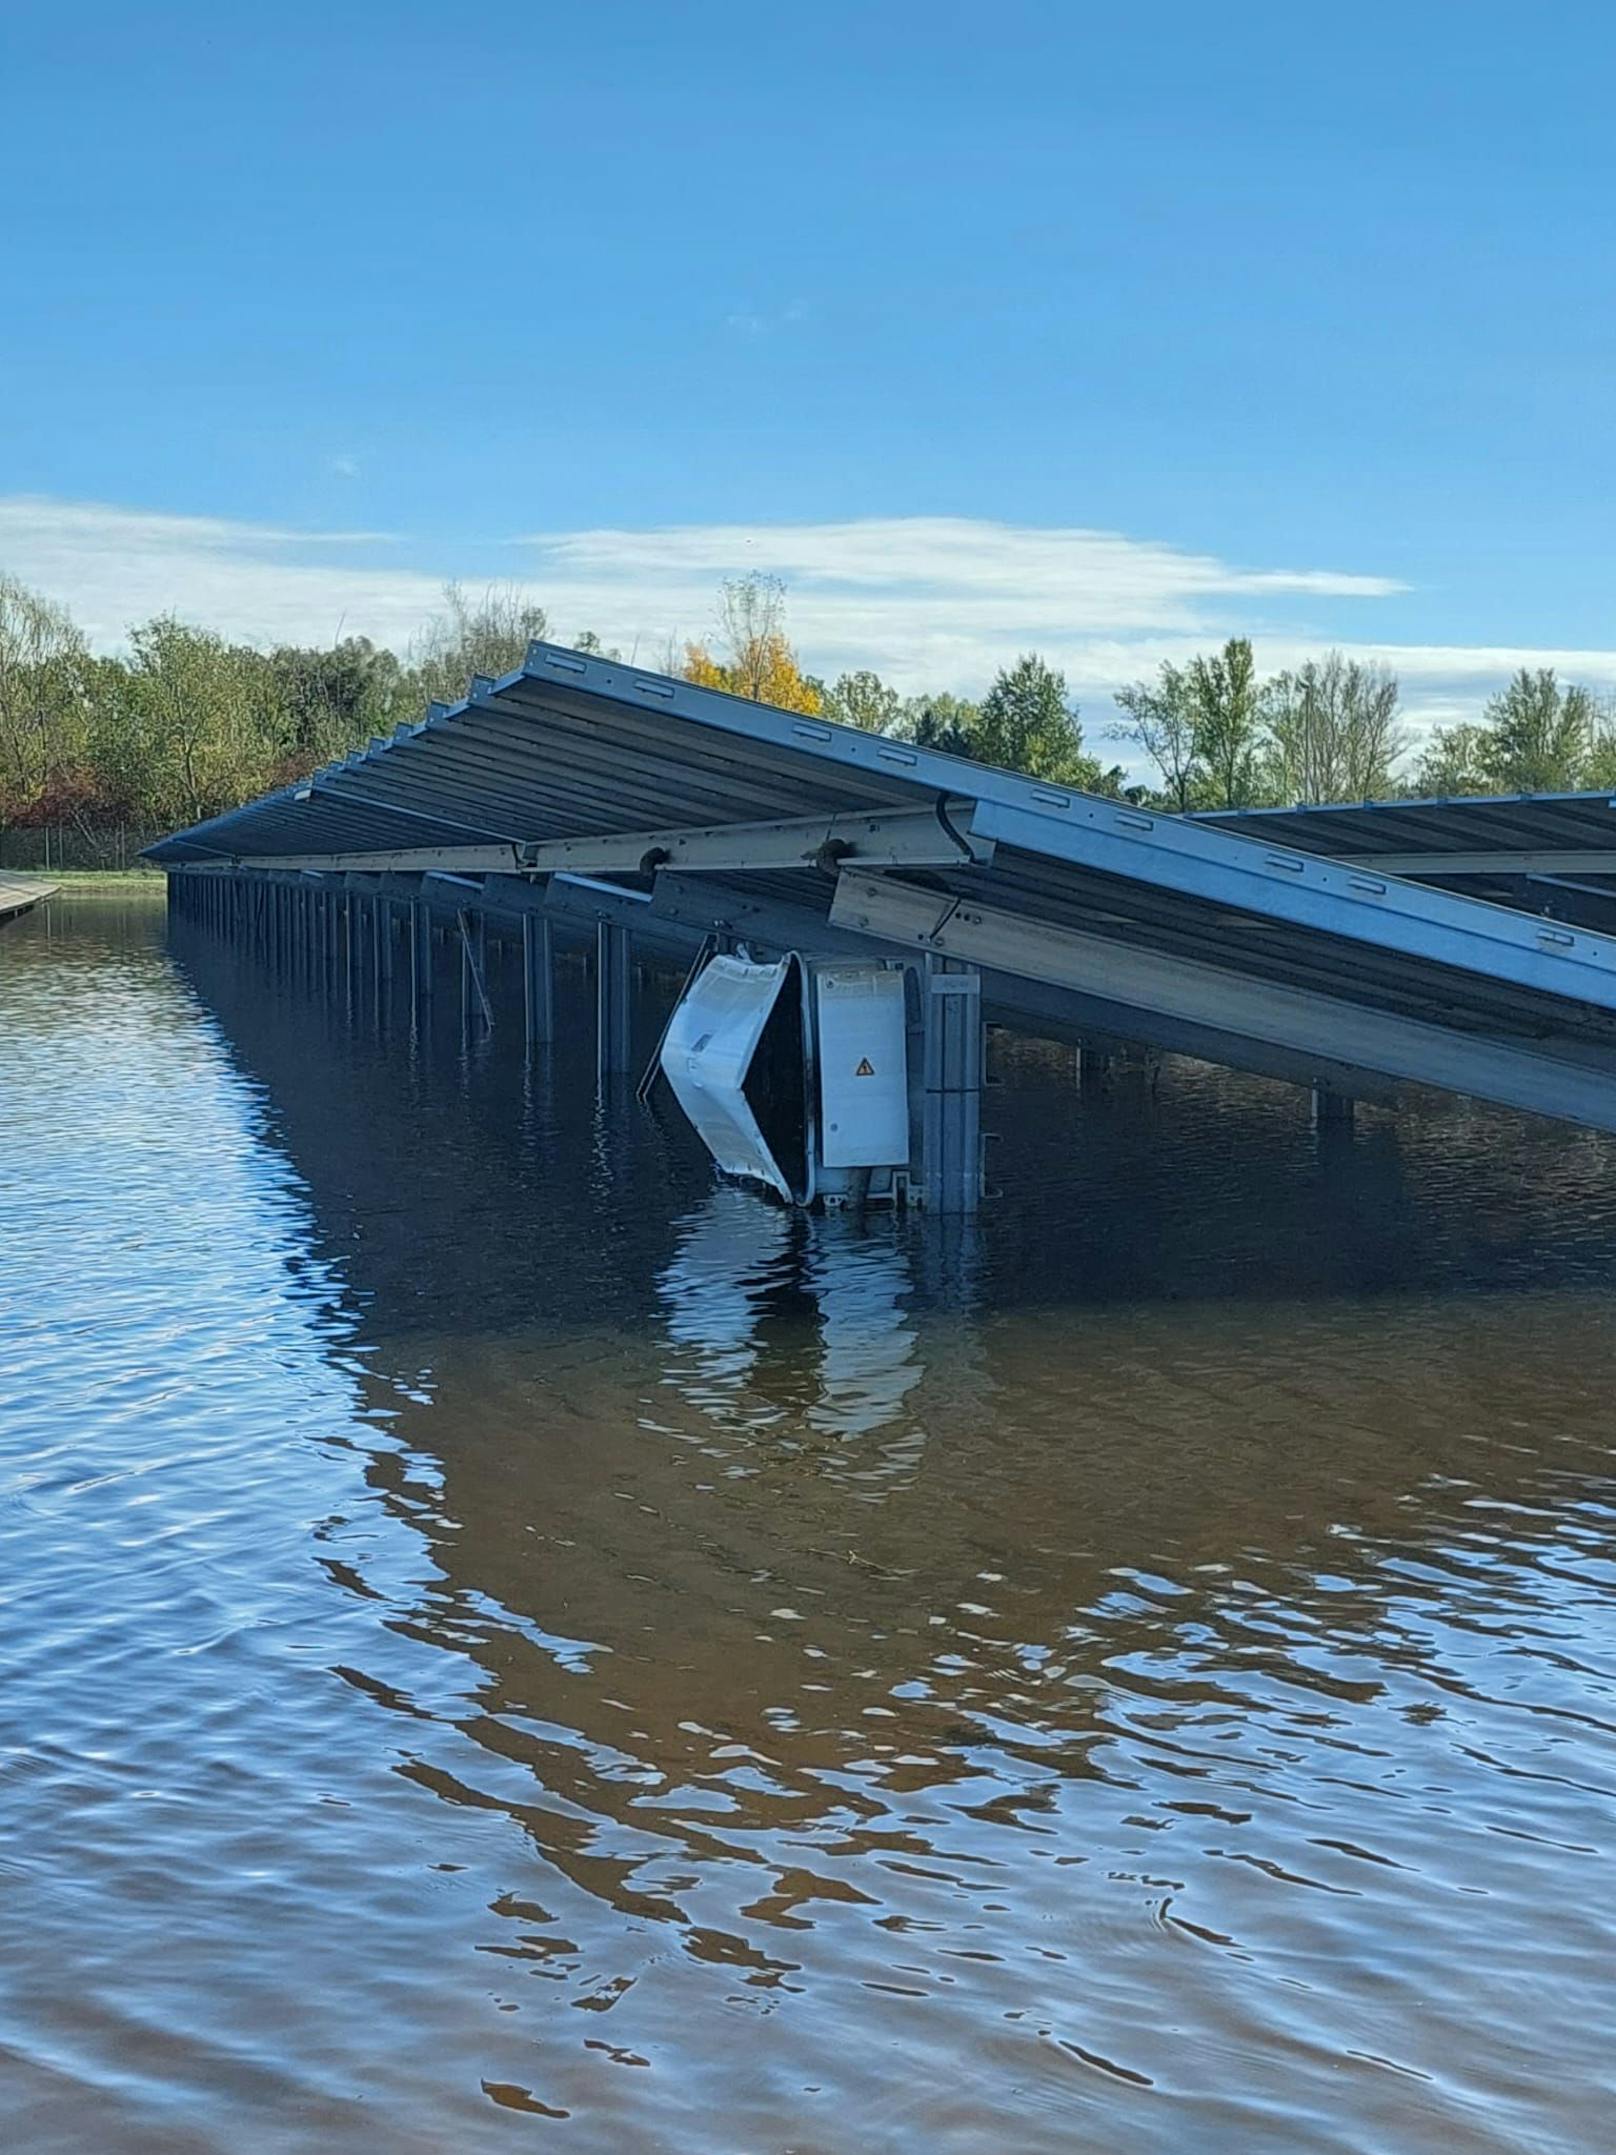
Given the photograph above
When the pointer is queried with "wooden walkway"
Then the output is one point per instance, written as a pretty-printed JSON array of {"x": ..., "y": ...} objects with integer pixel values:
[{"x": 19, "y": 895}]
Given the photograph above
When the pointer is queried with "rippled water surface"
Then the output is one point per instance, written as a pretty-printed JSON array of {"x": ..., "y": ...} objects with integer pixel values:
[{"x": 504, "y": 1643}]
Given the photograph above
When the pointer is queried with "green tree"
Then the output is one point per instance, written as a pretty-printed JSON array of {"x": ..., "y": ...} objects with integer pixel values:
[
  {"x": 944, "y": 722},
  {"x": 1454, "y": 764},
  {"x": 323, "y": 703},
  {"x": 1027, "y": 724},
  {"x": 1162, "y": 722},
  {"x": 1538, "y": 735},
  {"x": 864, "y": 700},
  {"x": 487, "y": 635},
  {"x": 1332, "y": 730},
  {"x": 197, "y": 725},
  {"x": 1600, "y": 769},
  {"x": 44, "y": 730},
  {"x": 1227, "y": 716}
]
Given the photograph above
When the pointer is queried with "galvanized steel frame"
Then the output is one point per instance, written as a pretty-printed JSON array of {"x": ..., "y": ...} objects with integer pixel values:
[{"x": 576, "y": 762}]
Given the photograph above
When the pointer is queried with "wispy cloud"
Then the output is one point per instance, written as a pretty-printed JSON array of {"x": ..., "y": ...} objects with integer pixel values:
[
  {"x": 936, "y": 602},
  {"x": 260, "y": 582},
  {"x": 933, "y": 601},
  {"x": 762, "y": 321},
  {"x": 1091, "y": 579},
  {"x": 930, "y": 602}
]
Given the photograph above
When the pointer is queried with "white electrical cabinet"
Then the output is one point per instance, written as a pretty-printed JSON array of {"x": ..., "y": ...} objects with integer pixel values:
[
  {"x": 796, "y": 1076},
  {"x": 863, "y": 1066}
]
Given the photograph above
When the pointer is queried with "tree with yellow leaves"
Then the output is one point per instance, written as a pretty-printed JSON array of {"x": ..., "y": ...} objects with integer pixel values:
[{"x": 761, "y": 664}]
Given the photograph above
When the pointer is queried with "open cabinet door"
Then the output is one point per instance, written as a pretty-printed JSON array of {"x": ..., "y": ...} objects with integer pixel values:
[{"x": 736, "y": 1056}]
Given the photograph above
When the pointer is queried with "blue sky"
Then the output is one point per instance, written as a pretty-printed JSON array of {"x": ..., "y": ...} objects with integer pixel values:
[{"x": 1308, "y": 313}]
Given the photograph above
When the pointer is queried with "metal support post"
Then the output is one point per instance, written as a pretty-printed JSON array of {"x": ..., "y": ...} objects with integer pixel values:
[
  {"x": 951, "y": 1145},
  {"x": 538, "y": 979},
  {"x": 322, "y": 936},
  {"x": 473, "y": 980},
  {"x": 420, "y": 959},
  {"x": 613, "y": 999},
  {"x": 1331, "y": 1110}
]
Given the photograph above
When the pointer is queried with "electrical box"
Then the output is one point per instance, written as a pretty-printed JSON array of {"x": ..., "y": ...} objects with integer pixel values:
[
  {"x": 863, "y": 1066},
  {"x": 796, "y": 1076}
]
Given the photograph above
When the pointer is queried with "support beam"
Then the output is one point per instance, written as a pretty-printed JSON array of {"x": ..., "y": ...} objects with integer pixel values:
[
  {"x": 473, "y": 984},
  {"x": 420, "y": 919},
  {"x": 1493, "y": 860},
  {"x": 538, "y": 979},
  {"x": 576, "y": 905},
  {"x": 614, "y": 979},
  {"x": 1511, "y": 1072},
  {"x": 1584, "y": 905},
  {"x": 1331, "y": 1110},
  {"x": 951, "y": 1137},
  {"x": 912, "y": 838},
  {"x": 1325, "y": 897},
  {"x": 350, "y": 943},
  {"x": 1042, "y": 1008}
]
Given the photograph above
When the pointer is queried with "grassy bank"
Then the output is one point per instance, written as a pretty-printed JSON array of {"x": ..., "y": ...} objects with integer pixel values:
[{"x": 107, "y": 881}]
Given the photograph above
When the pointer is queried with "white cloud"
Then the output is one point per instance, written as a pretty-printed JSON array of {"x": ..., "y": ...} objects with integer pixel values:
[
  {"x": 345, "y": 467},
  {"x": 930, "y": 602},
  {"x": 917, "y": 570},
  {"x": 261, "y": 582}
]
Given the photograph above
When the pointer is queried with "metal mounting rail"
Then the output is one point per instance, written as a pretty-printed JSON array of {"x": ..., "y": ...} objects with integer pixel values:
[
  {"x": 908, "y": 838},
  {"x": 1294, "y": 1019}
]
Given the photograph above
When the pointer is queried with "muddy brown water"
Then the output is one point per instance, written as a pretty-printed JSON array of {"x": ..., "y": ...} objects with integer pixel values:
[{"x": 506, "y": 1643}]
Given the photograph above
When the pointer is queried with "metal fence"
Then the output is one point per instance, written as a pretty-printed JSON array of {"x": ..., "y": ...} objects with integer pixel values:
[{"x": 73, "y": 845}]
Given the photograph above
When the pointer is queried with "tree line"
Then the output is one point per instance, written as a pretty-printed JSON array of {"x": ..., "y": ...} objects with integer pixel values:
[
  {"x": 186, "y": 723},
  {"x": 1214, "y": 733},
  {"x": 1218, "y": 736}
]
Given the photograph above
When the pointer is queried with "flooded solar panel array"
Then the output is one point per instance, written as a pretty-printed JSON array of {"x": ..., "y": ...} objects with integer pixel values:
[{"x": 511, "y": 1642}]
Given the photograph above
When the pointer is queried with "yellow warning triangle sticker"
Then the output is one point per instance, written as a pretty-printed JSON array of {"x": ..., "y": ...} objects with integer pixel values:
[{"x": 866, "y": 1068}]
